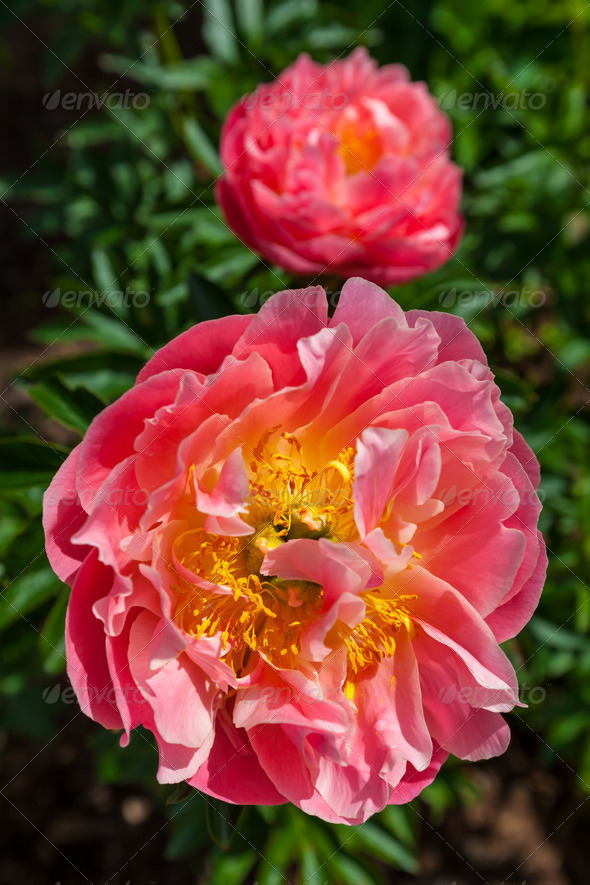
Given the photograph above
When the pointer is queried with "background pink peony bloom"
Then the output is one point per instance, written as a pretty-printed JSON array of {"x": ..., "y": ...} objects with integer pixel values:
[
  {"x": 342, "y": 169},
  {"x": 294, "y": 547}
]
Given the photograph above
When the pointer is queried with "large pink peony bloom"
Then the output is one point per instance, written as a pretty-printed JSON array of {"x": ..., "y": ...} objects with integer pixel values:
[
  {"x": 294, "y": 546},
  {"x": 344, "y": 170}
]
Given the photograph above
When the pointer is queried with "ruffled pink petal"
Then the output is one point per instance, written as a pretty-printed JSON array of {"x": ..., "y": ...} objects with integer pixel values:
[
  {"x": 281, "y": 323},
  {"x": 116, "y": 512},
  {"x": 454, "y": 719},
  {"x": 510, "y": 617},
  {"x": 362, "y": 305},
  {"x": 63, "y": 516},
  {"x": 111, "y": 436},
  {"x": 233, "y": 773},
  {"x": 286, "y": 767},
  {"x": 202, "y": 348},
  {"x": 457, "y": 341},
  {"x": 339, "y": 568},
  {"x": 447, "y": 617},
  {"x": 475, "y": 541},
  {"x": 378, "y": 452},
  {"x": 287, "y": 697},
  {"x": 413, "y": 782},
  {"x": 87, "y": 665},
  {"x": 183, "y": 700}
]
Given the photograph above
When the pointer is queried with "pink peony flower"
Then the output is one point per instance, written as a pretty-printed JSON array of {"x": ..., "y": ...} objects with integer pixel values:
[
  {"x": 342, "y": 169},
  {"x": 294, "y": 546}
]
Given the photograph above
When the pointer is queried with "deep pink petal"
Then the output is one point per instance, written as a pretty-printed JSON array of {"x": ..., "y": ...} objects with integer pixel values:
[
  {"x": 63, "y": 516},
  {"x": 87, "y": 667},
  {"x": 202, "y": 348}
]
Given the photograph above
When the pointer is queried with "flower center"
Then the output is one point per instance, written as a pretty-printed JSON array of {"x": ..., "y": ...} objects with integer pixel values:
[
  {"x": 296, "y": 502},
  {"x": 255, "y": 613},
  {"x": 360, "y": 148}
]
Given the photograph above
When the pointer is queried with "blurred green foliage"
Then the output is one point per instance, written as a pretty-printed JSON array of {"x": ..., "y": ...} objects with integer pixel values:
[{"x": 123, "y": 201}]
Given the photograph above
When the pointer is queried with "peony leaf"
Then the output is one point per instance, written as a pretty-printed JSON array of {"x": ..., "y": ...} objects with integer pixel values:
[
  {"x": 28, "y": 462},
  {"x": 181, "y": 793},
  {"x": 200, "y": 147},
  {"x": 26, "y": 593},
  {"x": 74, "y": 409},
  {"x": 208, "y": 300},
  {"x": 221, "y": 821},
  {"x": 378, "y": 844},
  {"x": 52, "y": 643},
  {"x": 250, "y": 16},
  {"x": 219, "y": 32}
]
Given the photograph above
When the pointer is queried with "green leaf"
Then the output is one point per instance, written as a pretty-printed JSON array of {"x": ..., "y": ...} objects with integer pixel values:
[
  {"x": 557, "y": 636},
  {"x": 278, "y": 853},
  {"x": 235, "y": 262},
  {"x": 104, "y": 273},
  {"x": 26, "y": 593},
  {"x": 52, "y": 642},
  {"x": 200, "y": 147},
  {"x": 117, "y": 334},
  {"x": 88, "y": 362},
  {"x": 195, "y": 73},
  {"x": 106, "y": 385},
  {"x": 72, "y": 408},
  {"x": 347, "y": 869},
  {"x": 219, "y": 31},
  {"x": 380, "y": 845},
  {"x": 12, "y": 521},
  {"x": 232, "y": 869},
  {"x": 250, "y": 17},
  {"x": 27, "y": 548},
  {"x": 398, "y": 821},
  {"x": 207, "y": 300},
  {"x": 285, "y": 16},
  {"x": 208, "y": 226},
  {"x": 181, "y": 793},
  {"x": 28, "y": 462},
  {"x": 311, "y": 866},
  {"x": 221, "y": 821},
  {"x": 188, "y": 826}
]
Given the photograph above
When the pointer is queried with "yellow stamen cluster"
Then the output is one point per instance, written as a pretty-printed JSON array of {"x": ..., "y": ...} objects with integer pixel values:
[
  {"x": 360, "y": 150},
  {"x": 299, "y": 502},
  {"x": 249, "y": 612},
  {"x": 255, "y": 614},
  {"x": 374, "y": 638}
]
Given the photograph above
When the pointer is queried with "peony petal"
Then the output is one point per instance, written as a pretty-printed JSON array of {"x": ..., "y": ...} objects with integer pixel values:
[
  {"x": 375, "y": 465},
  {"x": 87, "y": 665},
  {"x": 63, "y": 516},
  {"x": 202, "y": 348}
]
